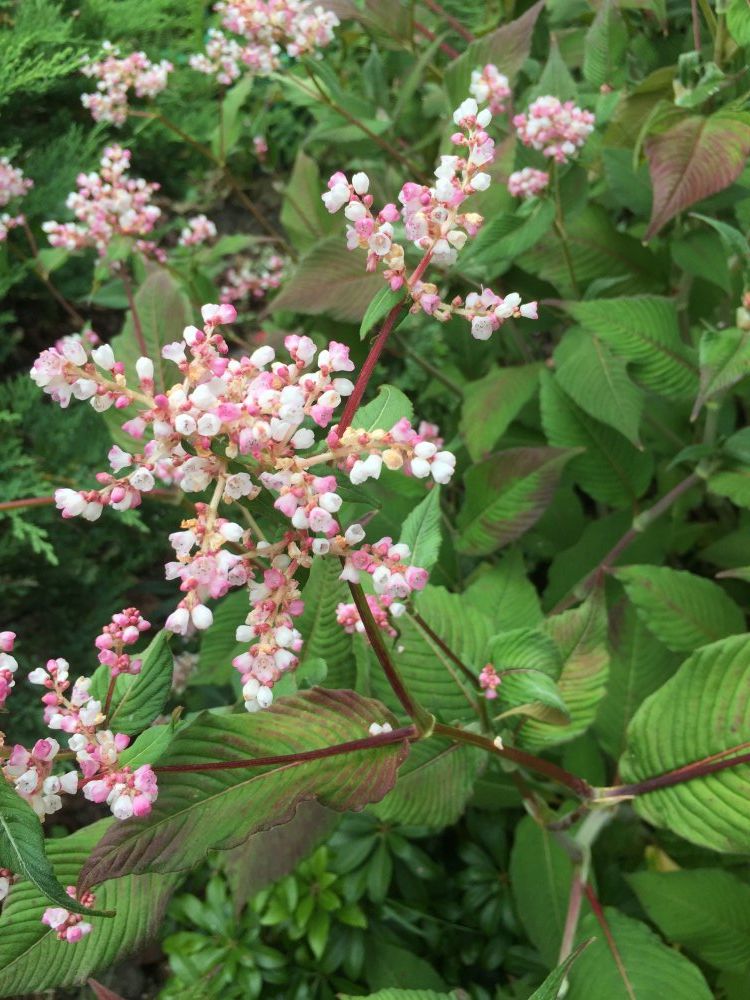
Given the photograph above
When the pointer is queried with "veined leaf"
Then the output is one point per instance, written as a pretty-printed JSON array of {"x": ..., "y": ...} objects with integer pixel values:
[
  {"x": 504, "y": 593},
  {"x": 138, "y": 698},
  {"x": 421, "y": 531},
  {"x": 610, "y": 468},
  {"x": 550, "y": 988},
  {"x": 323, "y": 635},
  {"x": 506, "y": 236},
  {"x": 681, "y": 609},
  {"x": 303, "y": 214},
  {"x": 31, "y": 956},
  {"x": 218, "y": 644},
  {"x": 693, "y": 159},
  {"x": 705, "y": 910},
  {"x": 493, "y": 402},
  {"x": 506, "y": 495},
  {"x": 597, "y": 380},
  {"x": 702, "y": 711},
  {"x": 434, "y": 784},
  {"x": 529, "y": 663},
  {"x": 647, "y": 969},
  {"x": 605, "y": 46},
  {"x": 643, "y": 329},
  {"x": 724, "y": 361},
  {"x": 734, "y": 241},
  {"x": 218, "y": 809},
  {"x": 382, "y": 303},
  {"x": 388, "y": 407},
  {"x": 330, "y": 280},
  {"x": 733, "y": 484},
  {"x": 393, "y": 993}
]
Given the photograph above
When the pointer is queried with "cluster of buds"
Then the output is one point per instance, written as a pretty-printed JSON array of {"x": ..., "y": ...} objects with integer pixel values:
[
  {"x": 8, "y": 665},
  {"x": 260, "y": 147},
  {"x": 12, "y": 185},
  {"x": 490, "y": 86},
  {"x": 431, "y": 217},
  {"x": 107, "y": 204},
  {"x": 380, "y": 606},
  {"x": 253, "y": 278},
  {"x": 124, "y": 630},
  {"x": 199, "y": 230},
  {"x": 265, "y": 29},
  {"x": 70, "y": 927},
  {"x": 115, "y": 76},
  {"x": 488, "y": 311},
  {"x": 30, "y": 772},
  {"x": 528, "y": 183},
  {"x": 489, "y": 680},
  {"x": 555, "y": 128},
  {"x": 262, "y": 413}
]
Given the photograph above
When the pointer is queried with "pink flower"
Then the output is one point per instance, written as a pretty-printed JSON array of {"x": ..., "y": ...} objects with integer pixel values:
[
  {"x": 556, "y": 129},
  {"x": 116, "y": 76},
  {"x": 70, "y": 927},
  {"x": 490, "y": 85},
  {"x": 528, "y": 182}
]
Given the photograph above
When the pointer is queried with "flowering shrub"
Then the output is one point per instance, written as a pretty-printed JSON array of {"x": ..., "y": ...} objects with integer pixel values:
[{"x": 405, "y": 388}]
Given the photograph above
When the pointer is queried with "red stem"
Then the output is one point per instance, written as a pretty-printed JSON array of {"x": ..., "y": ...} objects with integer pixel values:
[
  {"x": 365, "y": 374},
  {"x": 448, "y": 49},
  {"x": 679, "y": 775},
  {"x": 366, "y": 743},
  {"x": 28, "y": 502},
  {"x": 602, "y": 921},
  {"x": 449, "y": 19}
]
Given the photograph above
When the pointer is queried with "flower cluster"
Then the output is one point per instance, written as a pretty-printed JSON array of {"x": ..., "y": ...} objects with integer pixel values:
[
  {"x": 489, "y": 680},
  {"x": 528, "y": 183},
  {"x": 489, "y": 85},
  {"x": 381, "y": 606},
  {"x": 12, "y": 185},
  {"x": 556, "y": 129},
  {"x": 8, "y": 665},
  {"x": 266, "y": 28},
  {"x": 253, "y": 278},
  {"x": 198, "y": 230},
  {"x": 107, "y": 204},
  {"x": 124, "y": 630},
  {"x": 68, "y": 926},
  {"x": 432, "y": 220},
  {"x": 260, "y": 414},
  {"x": 115, "y": 76}
]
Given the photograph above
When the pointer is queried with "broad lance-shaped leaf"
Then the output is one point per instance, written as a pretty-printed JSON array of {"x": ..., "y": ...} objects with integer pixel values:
[
  {"x": 608, "y": 467},
  {"x": 506, "y": 495},
  {"x": 199, "y": 811},
  {"x": 218, "y": 644},
  {"x": 507, "y": 47},
  {"x": 639, "y": 665},
  {"x": 303, "y": 214},
  {"x": 581, "y": 637},
  {"x": 138, "y": 698},
  {"x": 493, "y": 402},
  {"x": 643, "y": 329},
  {"x": 647, "y": 968},
  {"x": 22, "y": 848},
  {"x": 434, "y": 785},
  {"x": 505, "y": 237},
  {"x": 705, "y": 910},
  {"x": 33, "y": 959},
  {"x": 529, "y": 664},
  {"x": 322, "y": 634},
  {"x": 724, "y": 360},
  {"x": 694, "y": 159},
  {"x": 550, "y": 988},
  {"x": 681, "y": 609},
  {"x": 421, "y": 531},
  {"x": 702, "y": 711},
  {"x": 504, "y": 592},
  {"x": 329, "y": 280},
  {"x": 388, "y": 407},
  {"x": 598, "y": 381},
  {"x": 393, "y": 993},
  {"x": 605, "y": 46},
  {"x": 382, "y": 303}
]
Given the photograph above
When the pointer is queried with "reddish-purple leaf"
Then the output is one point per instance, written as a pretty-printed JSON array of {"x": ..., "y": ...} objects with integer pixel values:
[
  {"x": 694, "y": 159},
  {"x": 102, "y": 992},
  {"x": 200, "y": 811}
]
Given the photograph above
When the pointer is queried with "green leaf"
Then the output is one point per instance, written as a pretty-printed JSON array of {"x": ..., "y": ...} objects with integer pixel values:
[
  {"x": 598, "y": 381},
  {"x": 329, "y": 280},
  {"x": 392, "y": 993},
  {"x": 507, "y": 47},
  {"x": 550, "y": 988},
  {"x": 529, "y": 663},
  {"x": 724, "y": 361},
  {"x": 421, "y": 531},
  {"x": 388, "y": 407},
  {"x": 303, "y": 214},
  {"x": 734, "y": 241},
  {"x": 218, "y": 644},
  {"x": 507, "y": 236},
  {"x": 706, "y": 911},
  {"x": 694, "y": 159},
  {"x": 647, "y": 968},
  {"x": 322, "y": 634},
  {"x": 32, "y": 959},
  {"x": 681, "y": 609},
  {"x": 605, "y": 46},
  {"x": 556, "y": 77},
  {"x": 643, "y": 329},
  {"x": 504, "y": 593},
  {"x": 540, "y": 877},
  {"x": 610, "y": 468},
  {"x": 506, "y": 495},
  {"x": 581, "y": 638},
  {"x": 148, "y": 747},
  {"x": 382, "y": 303},
  {"x": 702, "y": 711},
  {"x": 138, "y": 698},
  {"x": 738, "y": 21},
  {"x": 639, "y": 665},
  {"x": 218, "y": 809},
  {"x": 22, "y": 848},
  {"x": 734, "y": 485},
  {"x": 493, "y": 402},
  {"x": 433, "y": 787}
]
